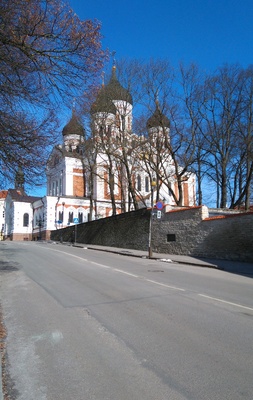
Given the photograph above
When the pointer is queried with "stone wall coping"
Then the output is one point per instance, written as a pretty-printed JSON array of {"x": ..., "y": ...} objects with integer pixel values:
[
  {"x": 184, "y": 209},
  {"x": 216, "y": 217}
]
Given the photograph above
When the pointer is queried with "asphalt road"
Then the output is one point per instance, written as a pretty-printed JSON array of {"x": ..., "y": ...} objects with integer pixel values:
[{"x": 88, "y": 325}]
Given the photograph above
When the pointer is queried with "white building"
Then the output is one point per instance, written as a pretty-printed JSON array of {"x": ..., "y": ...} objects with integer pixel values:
[{"x": 85, "y": 184}]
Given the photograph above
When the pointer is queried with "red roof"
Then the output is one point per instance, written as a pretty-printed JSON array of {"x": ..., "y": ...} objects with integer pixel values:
[{"x": 3, "y": 194}]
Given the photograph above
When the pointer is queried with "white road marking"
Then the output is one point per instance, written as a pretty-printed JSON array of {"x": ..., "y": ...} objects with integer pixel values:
[
  {"x": 64, "y": 252},
  {"x": 152, "y": 281},
  {"x": 126, "y": 273},
  {"x": 122, "y": 271},
  {"x": 226, "y": 302},
  {"x": 167, "y": 286},
  {"x": 100, "y": 265}
]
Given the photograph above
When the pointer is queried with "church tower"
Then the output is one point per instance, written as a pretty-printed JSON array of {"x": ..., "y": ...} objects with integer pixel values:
[
  {"x": 112, "y": 110},
  {"x": 158, "y": 125},
  {"x": 20, "y": 180},
  {"x": 73, "y": 135},
  {"x": 65, "y": 169}
]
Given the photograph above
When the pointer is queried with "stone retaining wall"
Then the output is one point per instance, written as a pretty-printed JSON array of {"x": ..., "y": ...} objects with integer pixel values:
[
  {"x": 187, "y": 231},
  {"x": 225, "y": 237}
]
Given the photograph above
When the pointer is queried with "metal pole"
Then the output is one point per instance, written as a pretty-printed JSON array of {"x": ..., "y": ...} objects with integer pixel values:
[
  {"x": 150, "y": 253},
  {"x": 75, "y": 232}
]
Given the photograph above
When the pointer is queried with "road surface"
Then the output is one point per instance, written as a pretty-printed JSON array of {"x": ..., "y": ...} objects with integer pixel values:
[{"x": 88, "y": 325}]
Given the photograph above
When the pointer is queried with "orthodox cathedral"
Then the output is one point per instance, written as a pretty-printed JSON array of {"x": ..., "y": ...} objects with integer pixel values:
[{"x": 95, "y": 178}]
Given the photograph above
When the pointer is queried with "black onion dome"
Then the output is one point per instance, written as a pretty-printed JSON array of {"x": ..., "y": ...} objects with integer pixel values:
[
  {"x": 103, "y": 103},
  {"x": 158, "y": 119},
  {"x": 73, "y": 127},
  {"x": 116, "y": 91},
  {"x": 113, "y": 91}
]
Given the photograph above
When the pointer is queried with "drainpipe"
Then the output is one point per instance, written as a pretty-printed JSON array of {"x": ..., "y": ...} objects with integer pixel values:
[{"x": 55, "y": 223}]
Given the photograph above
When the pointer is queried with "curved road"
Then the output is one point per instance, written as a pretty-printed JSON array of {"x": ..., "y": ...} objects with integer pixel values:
[{"x": 85, "y": 325}]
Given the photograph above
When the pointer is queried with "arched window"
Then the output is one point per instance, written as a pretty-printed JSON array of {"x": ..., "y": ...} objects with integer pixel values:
[
  {"x": 60, "y": 217},
  {"x": 26, "y": 219},
  {"x": 109, "y": 130},
  {"x": 123, "y": 121},
  {"x": 71, "y": 216},
  {"x": 80, "y": 217},
  {"x": 101, "y": 131},
  {"x": 147, "y": 184},
  {"x": 139, "y": 183}
]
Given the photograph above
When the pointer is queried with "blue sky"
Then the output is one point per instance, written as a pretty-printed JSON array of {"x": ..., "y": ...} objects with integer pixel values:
[{"x": 207, "y": 32}]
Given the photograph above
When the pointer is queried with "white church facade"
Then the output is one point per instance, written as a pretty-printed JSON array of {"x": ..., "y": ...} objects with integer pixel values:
[{"x": 85, "y": 184}]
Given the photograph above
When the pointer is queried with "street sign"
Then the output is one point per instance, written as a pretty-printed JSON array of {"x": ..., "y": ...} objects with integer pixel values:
[
  {"x": 159, "y": 214},
  {"x": 76, "y": 220},
  {"x": 159, "y": 205}
]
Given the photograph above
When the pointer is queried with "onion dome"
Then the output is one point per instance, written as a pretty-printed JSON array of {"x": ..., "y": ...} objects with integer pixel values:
[
  {"x": 109, "y": 93},
  {"x": 73, "y": 127},
  {"x": 158, "y": 119},
  {"x": 116, "y": 91},
  {"x": 103, "y": 103}
]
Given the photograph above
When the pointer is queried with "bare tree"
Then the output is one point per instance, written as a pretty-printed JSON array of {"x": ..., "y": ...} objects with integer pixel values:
[
  {"x": 222, "y": 112},
  {"x": 170, "y": 144},
  {"x": 48, "y": 56},
  {"x": 244, "y": 166}
]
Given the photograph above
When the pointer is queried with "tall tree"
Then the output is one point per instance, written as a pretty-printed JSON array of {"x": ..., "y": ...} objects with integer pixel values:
[
  {"x": 222, "y": 111},
  {"x": 48, "y": 56},
  {"x": 170, "y": 143},
  {"x": 242, "y": 191}
]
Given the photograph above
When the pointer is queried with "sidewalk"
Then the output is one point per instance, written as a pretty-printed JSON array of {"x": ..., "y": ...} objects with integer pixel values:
[
  {"x": 156, "y": 256},
  {"x": 229, "y": 266},
  {"x": 236, "y": 267}
]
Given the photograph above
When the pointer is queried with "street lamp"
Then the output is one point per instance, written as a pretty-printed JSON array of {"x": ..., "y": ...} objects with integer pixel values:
[{"x": 150, "y": 253}]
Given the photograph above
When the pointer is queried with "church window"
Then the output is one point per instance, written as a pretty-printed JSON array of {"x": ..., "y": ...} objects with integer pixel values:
[
  {"x": 60, "y": 216},
  {"x": 56, "y": 188},
  {"x": 53, "y": 191},
  {"x": 139, "y": 183},
  {"x": 26, "y": 219},
  {"x": 117, "y": 121},
  {"x": 101, "y": 131},
  {"x": 123, "y": 122},
  {"x": 110, "y": 184},
  {"x": 80, "y": 217},
  {"x": 147, "y": 184},
  {"x": 71, "y": 216}
]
